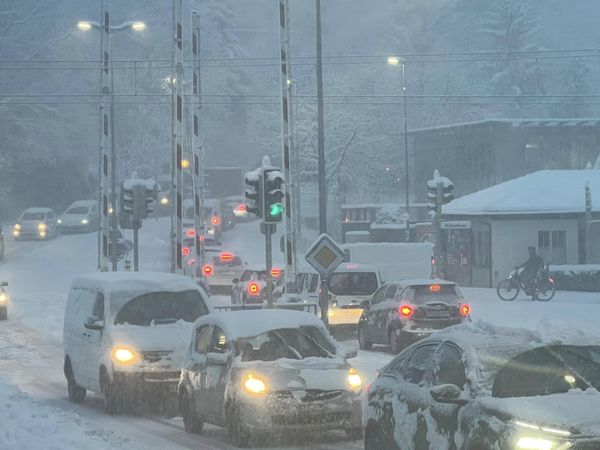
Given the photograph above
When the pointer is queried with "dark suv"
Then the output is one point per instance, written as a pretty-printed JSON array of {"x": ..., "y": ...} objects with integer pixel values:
[{"x": 400, "y": 313}]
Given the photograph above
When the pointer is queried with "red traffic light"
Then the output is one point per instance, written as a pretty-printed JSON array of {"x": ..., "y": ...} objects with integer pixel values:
[
  {"x": 242, "y": 208},
  {"x": 190, "y": 233},
  {"x": 207, "y": 269},
  {"x": 216, "y": 220},
  {"x": 185, "y": 251},
  {"x": 253, "y": 288},
  {"x": 275, "y": 272}
]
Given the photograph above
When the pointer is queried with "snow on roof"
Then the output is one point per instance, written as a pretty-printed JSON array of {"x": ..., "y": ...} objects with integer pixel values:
[
  {"x": 249, "y": 323},
  {"x": 422, "y": 282},
  {"x": 83, "y": 203},
  {"x": 37, "y": 209},
  {"x": 514, "y": 122},
  {"x": 148, "y": 184},
  {"x": 546, "y": 191}
]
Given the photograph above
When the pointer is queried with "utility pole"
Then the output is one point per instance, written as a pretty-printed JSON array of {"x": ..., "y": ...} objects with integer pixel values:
[
  {"x": 588, "y": 223},
  {"x": 286, "y": 86},
  {"x": 105, "y": 112},
  {"x": 321, "y": 129},
  {"x": 198, "y": 162},
  {"x": 177, "y": 128},
  {"x": 113, "y": 163},
  {"x": 406, "y": 168}
]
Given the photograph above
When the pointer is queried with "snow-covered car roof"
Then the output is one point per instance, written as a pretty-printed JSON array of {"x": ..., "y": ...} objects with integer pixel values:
[
  {"x": 249, "y": 323},
  {"x": 422, "y": 282},
  {"x": 488, "y": 348},
  {"x": 135, "y": 281},
  {"x": 347, "y": 267},
  {"x": 82, "y": 203},
  {"x": 37, "y": 209}
]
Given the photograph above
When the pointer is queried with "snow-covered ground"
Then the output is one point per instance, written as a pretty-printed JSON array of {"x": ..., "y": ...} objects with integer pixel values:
[{"x": 34, "y": 410}]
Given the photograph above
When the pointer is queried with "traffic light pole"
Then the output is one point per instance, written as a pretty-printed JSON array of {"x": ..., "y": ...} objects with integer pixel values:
[
  {"x": 439, "y": 195},
  {"x": 136, "y": 247},
  {"x": 269, "y": 263}
]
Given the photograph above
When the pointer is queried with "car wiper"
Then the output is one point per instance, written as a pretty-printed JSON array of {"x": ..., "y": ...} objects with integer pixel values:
[
  {"x": 566, "y": 365},
  {"x": 311, "y": 339},
  {"x": 163, "y": 321}
]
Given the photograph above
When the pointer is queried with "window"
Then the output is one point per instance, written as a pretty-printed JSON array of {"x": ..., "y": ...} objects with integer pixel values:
[
  {"x": 418, "y": 364},
  {"x": 378, "y": 297},
  {"x": 202, "y": 339},
  {"x": 481, "y": 255},
  {"x": 98, "y": 311},
  {"x": 353, "y": 283},
  {"x": 450, "y": 368},
  {"x": 391, "y": 292},
  {"x": 552, "y": 246},
  {"x": 219, "y": 343},
  {"x": 314, "y": 283}
]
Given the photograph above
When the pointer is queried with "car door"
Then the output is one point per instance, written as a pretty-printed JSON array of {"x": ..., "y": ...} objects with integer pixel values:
[
  {"x": 196, "y": 369},
  {"x": 371, "y": 315},
  {"x": 95, "y": 341},
  {"x": 51, "y": 222},
  {"x": 387, "y": 313},
  {"x": 79, "y": 308},
  {"x": 412, "y": 396},
  {"x": 216, "y": 371}
]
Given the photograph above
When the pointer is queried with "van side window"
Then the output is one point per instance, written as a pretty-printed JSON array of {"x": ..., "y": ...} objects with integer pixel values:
[
  {"x": 391, "y": 292},
  {"x": 98, "y": 311},
  {"x": 314, "y": 283},
  {"x": 378, "y": 296}
]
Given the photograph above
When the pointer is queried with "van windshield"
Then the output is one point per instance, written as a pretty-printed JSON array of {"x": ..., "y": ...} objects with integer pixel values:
[
  {"x": 78, "y": 210},
  {"x": 157, "y": 308},
  {"x": 353, "y": 283},
  {"x": 33, "y": 216}
]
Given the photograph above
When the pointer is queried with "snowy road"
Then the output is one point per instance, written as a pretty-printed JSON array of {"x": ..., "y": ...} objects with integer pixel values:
[{"x": 34, "y": 410}]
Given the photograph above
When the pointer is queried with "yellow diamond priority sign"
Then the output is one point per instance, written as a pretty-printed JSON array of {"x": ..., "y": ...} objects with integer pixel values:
[{"x": 325, "y": 255}]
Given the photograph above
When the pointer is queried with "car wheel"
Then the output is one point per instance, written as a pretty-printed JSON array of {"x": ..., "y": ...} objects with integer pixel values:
[
  {"x": 76, "y": 393},
  {"x": 112, "y": 402},
  {"x": 377, "y": 439},
  {"x": 191, "y": 422},
  {"x": 354, "y": 433},
  {"x": 363, "y": 342},
  {"x": 396, "y": 344},
  {"x": 239, "y": 435}
]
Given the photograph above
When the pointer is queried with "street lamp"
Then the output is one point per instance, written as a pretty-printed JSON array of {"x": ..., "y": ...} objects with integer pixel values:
[
  {"x": 106, "y": 58},
  {"x": 395, "y": 61}
]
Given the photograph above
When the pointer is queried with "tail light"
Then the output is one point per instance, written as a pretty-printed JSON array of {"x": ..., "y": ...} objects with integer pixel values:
[
  {"x": 465, "y": 310},
  {"x": 253, "y": 288},
  {"x": 435, "y": 288},
  {"x": 185, "y": 251},
  {"x": 275, "y": 272},
  {"x": 226, "y": 257},
  {"x": 242, "y": 208},
  {"x": 406, "y": 311},
  {"x": 216, "y": 220},
  {"x": 190, "y": 233},
  {"x": 207, "y": 269}
]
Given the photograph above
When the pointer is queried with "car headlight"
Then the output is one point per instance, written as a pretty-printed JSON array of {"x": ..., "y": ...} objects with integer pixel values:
[
  {"x": 59, "y": 221},
  {"x": 42, "y": 227},
  {"x": 3, "y": 298},
  {"x": 17, "y": 226},
  {"x": 354, "y": 379},
  {"x": 254, "y": 385},
  {"x": 541, "y": 438},
  {"x": 84, "y": 221},
  {"x": 164, "y": 201},
  {"x": 124, "y": 355}
]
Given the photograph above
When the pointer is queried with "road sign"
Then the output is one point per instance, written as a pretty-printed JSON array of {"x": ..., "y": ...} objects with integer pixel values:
[
  {"x": 456, "y": 225},
  {"x": 325, "y": 255}
]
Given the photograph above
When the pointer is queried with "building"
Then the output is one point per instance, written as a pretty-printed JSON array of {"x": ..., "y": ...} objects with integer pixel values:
[
  {"x": 478, "y": 155},
  {"x": 545, "y": 209}
]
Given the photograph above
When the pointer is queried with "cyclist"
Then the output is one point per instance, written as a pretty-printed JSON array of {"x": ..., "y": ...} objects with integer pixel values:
[{"x": 531, "y": 269}]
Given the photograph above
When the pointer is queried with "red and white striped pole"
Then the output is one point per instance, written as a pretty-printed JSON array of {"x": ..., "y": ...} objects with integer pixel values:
[
  {"x": 286, "y": 83},
  {"x": 198, "y": 166},
  {"x": 105, "y": 131},
  {"x": 177, "y": 127}
]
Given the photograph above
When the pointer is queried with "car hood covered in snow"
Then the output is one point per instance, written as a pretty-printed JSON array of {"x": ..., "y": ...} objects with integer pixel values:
[{"x": 575, "y": 411}]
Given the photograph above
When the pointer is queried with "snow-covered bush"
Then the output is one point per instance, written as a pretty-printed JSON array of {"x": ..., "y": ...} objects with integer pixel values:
[{"x": 577, "y": 277}]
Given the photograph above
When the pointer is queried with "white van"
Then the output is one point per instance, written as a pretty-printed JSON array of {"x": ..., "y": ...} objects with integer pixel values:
[
  {"x": 125, "y": 335},
  {"x": 349, "y": 287}
]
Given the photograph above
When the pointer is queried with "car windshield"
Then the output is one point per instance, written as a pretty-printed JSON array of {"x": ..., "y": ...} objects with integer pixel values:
[
  {"x": 550, "y": 370},
  {"x": 78, "y": 210},
  {"x": 435, "y": 292},
  {"x": 156, "y": 308},
  {"x": 33, "y": 216},
  {"x": 293, "y": 343},
  {"x": 353, "y": 283}
]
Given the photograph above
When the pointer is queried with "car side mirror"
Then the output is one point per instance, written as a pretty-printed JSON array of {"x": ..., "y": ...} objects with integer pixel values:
[
  {"x": 365, "y": 303},
  {"x": 351, "y": 354},
  {"x": 4, "y": 283},
  {"x": 235, "y": 280},
  {"x": 92, "y": 323},
  {"x": 448, "y": 393},
  {"x": 216, "y": 359}
]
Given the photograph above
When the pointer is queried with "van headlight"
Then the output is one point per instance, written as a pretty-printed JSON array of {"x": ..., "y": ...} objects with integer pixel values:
[
  {"x": 255, "y": 385},
  {"x": 354, "y": 379},
  {"x": 42, "y": 227},
  {"x": 124, "y": 355},
  {"x": 3, "y": 298}
]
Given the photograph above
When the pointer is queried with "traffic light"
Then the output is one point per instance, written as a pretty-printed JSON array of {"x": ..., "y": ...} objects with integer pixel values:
[
  {"x": 439, "y": 192},
  {"x": 273, "y": 196},
  {"x": 126, "y": 200},
  {"x": 151, "y": 199},
  {"x": 253, "y": 192}
]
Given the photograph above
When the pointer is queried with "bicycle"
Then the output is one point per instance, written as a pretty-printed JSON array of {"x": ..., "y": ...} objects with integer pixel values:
[{"x": 543, "y": 287}]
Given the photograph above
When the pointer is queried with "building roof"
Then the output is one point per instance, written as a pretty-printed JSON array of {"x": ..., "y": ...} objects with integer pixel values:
[
  {"x": 515, "y": 123},
  {"x": 543, "y": 192}
]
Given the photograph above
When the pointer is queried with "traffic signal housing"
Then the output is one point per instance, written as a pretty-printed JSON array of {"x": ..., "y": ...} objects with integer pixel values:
[
  {"x": 253, "y": 192},
  {"x": 273, "y": 199}
]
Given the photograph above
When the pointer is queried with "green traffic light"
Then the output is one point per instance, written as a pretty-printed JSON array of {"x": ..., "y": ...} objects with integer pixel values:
[{"x": 276, "y": 209}]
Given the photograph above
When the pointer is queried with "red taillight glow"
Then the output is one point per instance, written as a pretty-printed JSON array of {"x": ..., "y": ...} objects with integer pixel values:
[
  {"x": 465, "y": 310},
  {"x": 216, "y": 220},
  {"x": 275, "y": 272},
  {"x": 191, "y": 262},
  {"x": 435, "y": 288},
  {"x": 207, "y": 269},
  {"x": 185, "y": 251},
  {"x": 202, "y": 238},
  {"x": 253, "y": 288},
  {"x": 406, "y": 311},
  {"x": 190, "y": 233},
  {"x": 242, "y": 208},
  {"x": 226, "y": 256}
]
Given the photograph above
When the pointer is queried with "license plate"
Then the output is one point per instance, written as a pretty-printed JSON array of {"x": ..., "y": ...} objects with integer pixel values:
[{"x": 438, "y": 314}]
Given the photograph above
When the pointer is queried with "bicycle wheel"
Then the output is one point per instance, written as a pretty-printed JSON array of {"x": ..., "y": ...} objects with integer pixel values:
[
  {"x": 545, "y": 290},
  {"x": 508, "y": 290}
]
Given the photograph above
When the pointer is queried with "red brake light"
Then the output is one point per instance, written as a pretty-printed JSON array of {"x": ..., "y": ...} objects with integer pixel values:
[
  {"x": 190, "y": 233},
  {"x": 207, "y": 269},
  {"x": 185, "y": 251},
  {"x": 435, "y": 288},
  {"x": 242, "y": 208},
  {"x": 406, "y": 311},
  {"x": 216, "y": 220},
  {"x": 465, "y": 310},
  {"x": 253, "y": 288},
  {"x": 226, "y": 256},
  {"x": 275, "y": 272},
  {"x": 202, "y": 238}
]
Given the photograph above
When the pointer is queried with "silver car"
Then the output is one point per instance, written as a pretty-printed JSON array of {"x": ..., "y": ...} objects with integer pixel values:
[
  {"x": 36, "y": 223},
  {"x": 268, "y": 371}
]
